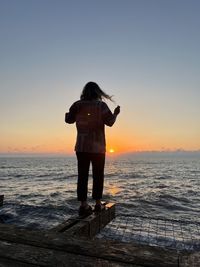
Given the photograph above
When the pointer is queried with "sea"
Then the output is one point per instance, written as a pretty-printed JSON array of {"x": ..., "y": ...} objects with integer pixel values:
[{"x": 40, "y": 192}]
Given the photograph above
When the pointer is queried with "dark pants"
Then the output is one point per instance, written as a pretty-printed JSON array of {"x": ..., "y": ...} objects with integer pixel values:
[{"x": 98, "y": 162}]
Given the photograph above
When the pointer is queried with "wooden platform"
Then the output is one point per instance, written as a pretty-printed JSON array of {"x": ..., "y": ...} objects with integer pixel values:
[{"x": 73, "y": 244}]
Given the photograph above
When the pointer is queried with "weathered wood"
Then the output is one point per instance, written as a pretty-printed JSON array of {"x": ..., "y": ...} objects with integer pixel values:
[
  {"x": 190, "y": 260},
  {"x": 101, "y": 249},
  {"x": 14, "y": 263},
  {"x": 64, "y": 246},
  {"x": 24, "y": 255},
  {"x": 88, "y": 226},
  {"x": 65, "y": 225}
]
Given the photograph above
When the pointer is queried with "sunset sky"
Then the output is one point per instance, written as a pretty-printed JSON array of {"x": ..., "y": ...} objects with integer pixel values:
[{"x": 144, "y": 52}]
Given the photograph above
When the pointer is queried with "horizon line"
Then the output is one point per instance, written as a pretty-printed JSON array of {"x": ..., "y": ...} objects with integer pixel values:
[{"x": 107, "y": 153}]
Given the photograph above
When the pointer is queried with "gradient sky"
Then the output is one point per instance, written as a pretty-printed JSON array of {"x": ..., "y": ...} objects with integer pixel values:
[{"x": 144, "y": 52}]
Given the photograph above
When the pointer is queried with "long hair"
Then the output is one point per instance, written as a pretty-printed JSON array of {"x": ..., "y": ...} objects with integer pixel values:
[{"x": 92, "y": 91}]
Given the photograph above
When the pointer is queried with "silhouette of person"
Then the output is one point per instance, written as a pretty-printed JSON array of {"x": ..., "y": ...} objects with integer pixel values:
[{"x": 91, "y": 115}]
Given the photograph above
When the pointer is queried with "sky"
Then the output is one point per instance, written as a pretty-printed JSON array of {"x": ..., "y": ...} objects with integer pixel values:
[{"x": 144, "y": 52}]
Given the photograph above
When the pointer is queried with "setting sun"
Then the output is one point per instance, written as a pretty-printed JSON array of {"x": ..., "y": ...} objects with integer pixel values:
[{"x": 111, "y": 150}]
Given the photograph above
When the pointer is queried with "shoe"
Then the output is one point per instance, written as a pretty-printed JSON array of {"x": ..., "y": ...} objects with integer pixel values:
[
  {"x": 99, "y": 207},
  {"x": 85, "y": 211}
]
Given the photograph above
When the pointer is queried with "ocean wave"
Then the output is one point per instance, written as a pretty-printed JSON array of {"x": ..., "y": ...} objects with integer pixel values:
[
  {"x": 134, "y": 176},
  {"x": 162, "y": 186},
  {"x": 172, "y": 198},
  {"x": 43, "y": 175},
  {"x": 10, "y": 167},
  {"x": 164, "y": 177},
  {"x": 18, "y": 175}
]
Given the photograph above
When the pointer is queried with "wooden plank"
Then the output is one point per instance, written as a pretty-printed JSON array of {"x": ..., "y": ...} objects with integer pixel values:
[
  {"x": 4, "y": 262},
  {"x": 65, "y": 225},
  {"x": 88, "y": 226},
  {"x": 24, "y": 255},
  {"x": 190, "y": 259},
  {"x": 101, "y": 249},
  {"x": 82, "y": 226}
]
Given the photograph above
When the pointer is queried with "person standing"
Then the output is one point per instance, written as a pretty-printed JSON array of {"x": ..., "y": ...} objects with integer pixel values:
[{"x": 91, "y": 114}]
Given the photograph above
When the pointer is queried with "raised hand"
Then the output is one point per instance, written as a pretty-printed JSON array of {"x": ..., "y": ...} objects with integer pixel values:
[{"x": 117, "y": 110}]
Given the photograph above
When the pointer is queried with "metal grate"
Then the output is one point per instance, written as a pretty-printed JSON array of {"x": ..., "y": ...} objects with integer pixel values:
[{"x": 168, "y": 233}]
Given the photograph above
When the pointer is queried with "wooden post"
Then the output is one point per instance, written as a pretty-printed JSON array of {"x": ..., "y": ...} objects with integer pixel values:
[
  {"x": 1, "y": 200},
  {"x": 88, "y": 226}
]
